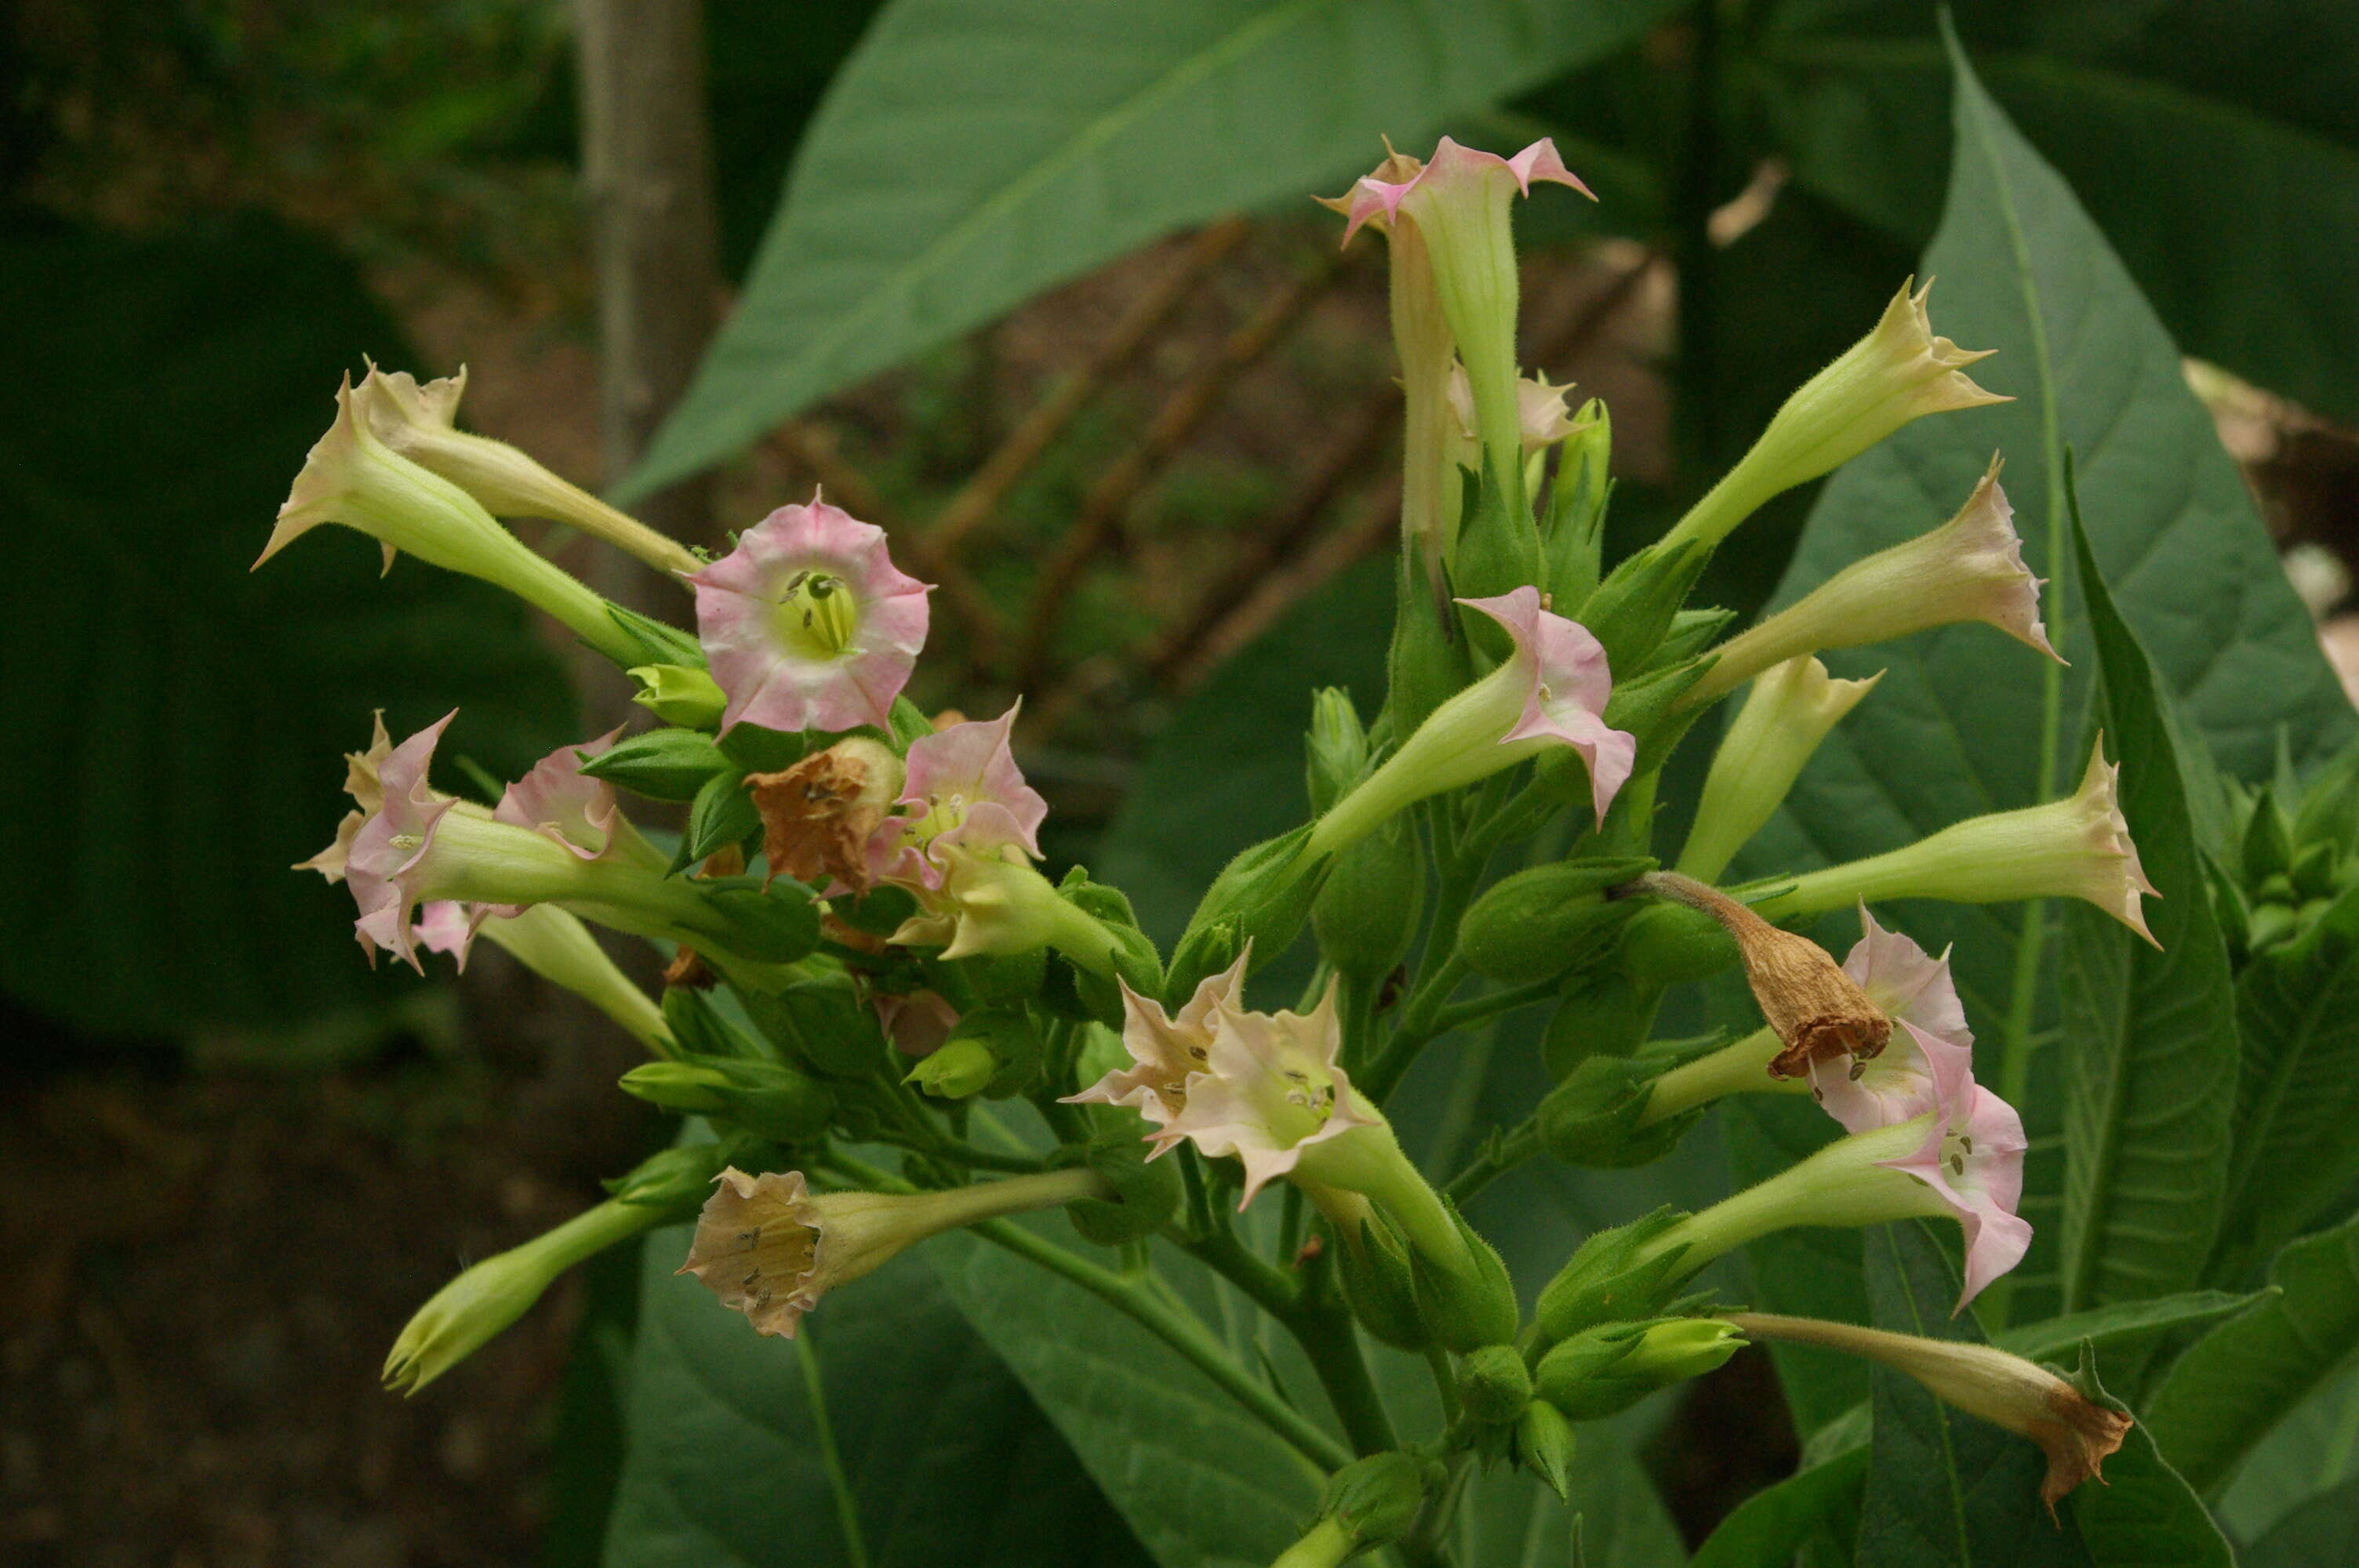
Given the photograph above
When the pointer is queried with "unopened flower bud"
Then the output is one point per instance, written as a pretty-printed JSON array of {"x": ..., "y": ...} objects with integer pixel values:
[
  {"x": 465, "y": 1314},
  {"x": 990, "y": 906},
  {"x": 2079, "y": 846},
  {"x": 1616, "y": 1275},
  {"x": 1334, "y": 749},
  {"x": 818, "y": 814},
  {"x": 767, "y": 1098},
  {"x": 353, "y": 478},
  {"x": 1597, "y": 1118},
  {"x": 1544, "y": 920},
  {"x": 679, "y": 694},
  {"x": 1898, "y": 372},
  {"x": 1367, "y": 912},
  {"x": 1573, "y": 535},
  {"x": 420, "y": 423},
  {"x": 1816, "y": 1010},
  {"x": 1793, "y": 707},
  {"x": 1544, "y": 1445},
  {"x": 1602, "y": 1371},
  {"x": 767, "y": 1248},
  {"x": 556, "y": 945},
  {"x": 958, "y": 1071},
  {"x": 1494, "y": 1385},
  {"x": 1970, "y": 568},
  {"x": 2073, "y": 1430}
]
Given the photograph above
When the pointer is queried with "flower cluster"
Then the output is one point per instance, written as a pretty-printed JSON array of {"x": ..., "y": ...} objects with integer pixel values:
[{"x": 861, "y": 937}]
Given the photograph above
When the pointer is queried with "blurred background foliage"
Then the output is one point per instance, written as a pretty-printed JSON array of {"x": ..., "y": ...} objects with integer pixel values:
[{"x": 1034, "y": 285}]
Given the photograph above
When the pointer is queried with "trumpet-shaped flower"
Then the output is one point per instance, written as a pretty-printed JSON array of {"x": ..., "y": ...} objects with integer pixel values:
[
  {"x": 2078, "y": 847},
  {"x": 1167, "y": 1049},
  {"x": 1792, "y": 708},
  {"x": 770, "y": 1248},
  {"x": 387, "y": 856},
  {"x": 1898, "y": 372},
  {"x": 1460, "y": 203},
  {"x": 566, "y": 806},
  {"x": 420, "y": 422},
  {"x": 1552, "y": 691},
  {"x": 1971, "y": 1160},
  {"x": 1930, "y": 1061},
  {"x": 1962, "y": 1162},
  {"x": 1430, "y": 495},
  {"x": 2072, "y": 1430},
  {"x": 360, "y": 783},
  {"x": 353, "y": 478},
  {"x": 963, "y": 791},
  {"x": 1970, "y": 568},
  {"x": 808, "y": 624}
]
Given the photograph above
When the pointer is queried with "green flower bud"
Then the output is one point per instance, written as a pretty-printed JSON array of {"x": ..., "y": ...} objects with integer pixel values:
[
  {"x": 1607, "y": 1015},
  {"x": 1544, "y": 1445},
  {"x": 1494, "y": 1385},
  {"x": 824, "y": 1024},
  {"x": 1335, "y": 749},
  {"x": 1574, "y": 537},
  {"x": 1596, "y": 1117},
  {"x": 1609, "y": 1280},
  {"x": 1544, "y": 921},
  {"x": 1669, "y": 944},
  {"x": 1265, "y": 894},
  {"x": 767, "y": 1098},
  {"x": 1605, "y": 1370},
  {"x": 679, "y": 1178},
  {"x": 1465, "y": 1309},
  {"x": 1367, "y": 915},
  {"x": 957, "y": 1071},
  {"x": 679, "y": 694},
  {"x": 1633, "y": 608}
]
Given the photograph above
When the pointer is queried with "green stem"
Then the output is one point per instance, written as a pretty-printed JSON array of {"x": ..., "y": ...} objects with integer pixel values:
[
  {"x": 1499, "y": 1156},
  {"x": 847, "y": 1508},
  {"x": 1324, "y": 1331},
  {"x": 1474, "y": 1009},
  {"x": 1151, "y": 1307}
]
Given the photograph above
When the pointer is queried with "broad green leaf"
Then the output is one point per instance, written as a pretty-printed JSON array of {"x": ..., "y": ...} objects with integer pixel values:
[
  {"x": 975, "y": 152},
  {"x": 2144, "y": 1515},
  {"x": 2312, "y": 1449},
  {"x": 945, "y": 1457},
  {"x": 2230, "y": 211},
  {"x": 2128, "y": 1325},
  {"x": 1967, "y": 722},
  {"x": 2237, "y": 1381},
  {"x": 1614, "y": 1514},
  {"x": 2151, "y": 1051},
  {"x": 175, "y": 723},
  {"x": 2318, "y": 1534},
  {"x": 2298, "y": 1098},
  {"x": 1821, "y": 1504},
  {"x": 1944, "y": 1489},
  {"x": 1200, "y": 1479}
]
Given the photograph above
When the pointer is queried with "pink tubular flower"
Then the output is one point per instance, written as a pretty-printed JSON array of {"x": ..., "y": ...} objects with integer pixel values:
[
  {"x": 1972, "y": 1159},
  {"x": 388, "y": 850},
  {"x": 1451, "y": 169},
  {"x": 963, "y": 791},
  {"x": 1929, "y": 1060},
  {"x": 561, "y": 803},
  {"x": 808, "y": 624},
  {"x": 1543, "y": 414},
  {"x": 1550, "y": 692},
  {"x": 1165, "y": 1050}
]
